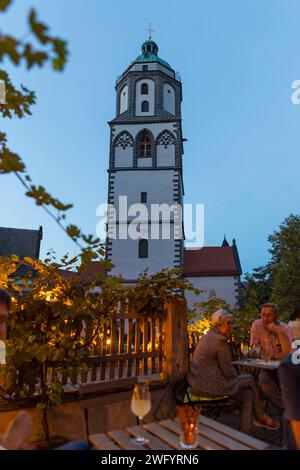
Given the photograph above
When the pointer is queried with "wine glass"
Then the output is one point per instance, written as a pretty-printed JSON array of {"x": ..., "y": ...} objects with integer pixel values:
[
  {"x": 266, "y": 356},
  {"x": 140, "y": 406},
  {"x": 256, "y": 351},
  {"x": 244, "y": 349}
]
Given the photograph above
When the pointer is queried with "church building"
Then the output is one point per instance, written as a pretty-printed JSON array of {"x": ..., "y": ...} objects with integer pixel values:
[{"x": 145, "y": 167}]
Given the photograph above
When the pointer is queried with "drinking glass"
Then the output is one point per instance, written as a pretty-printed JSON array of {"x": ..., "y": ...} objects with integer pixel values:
[
  {"x": 256, "y": 351},
  {"x": 244, "y": 349},
  {"x": 266, "y": 356},
  {"x": 140, "y": 406},
  {"x": 188, "y": 415}
]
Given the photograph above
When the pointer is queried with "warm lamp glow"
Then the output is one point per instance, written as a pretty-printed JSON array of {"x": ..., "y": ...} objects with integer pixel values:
[{"x": 49, "y": 295}]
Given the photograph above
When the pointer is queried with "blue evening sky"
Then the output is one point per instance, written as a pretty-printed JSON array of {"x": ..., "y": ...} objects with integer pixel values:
[{"x": 237, "y": 60}]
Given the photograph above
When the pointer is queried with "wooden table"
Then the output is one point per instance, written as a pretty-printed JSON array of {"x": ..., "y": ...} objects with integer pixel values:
[
  {"x": 257, "y": 364},
  {"x": 164, "y": 435}
]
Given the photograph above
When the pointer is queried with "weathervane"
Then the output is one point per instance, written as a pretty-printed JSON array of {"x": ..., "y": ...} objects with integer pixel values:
[{"x": 150, "y": 30}]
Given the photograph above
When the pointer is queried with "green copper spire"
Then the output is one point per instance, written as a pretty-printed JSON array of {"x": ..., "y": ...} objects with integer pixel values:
[{"x": 149, "y": 53}]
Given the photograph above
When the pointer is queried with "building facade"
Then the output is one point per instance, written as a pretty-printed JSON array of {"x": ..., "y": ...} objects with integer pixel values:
[
  {"x": 145, "y": 167},
  {"x": 21, "y": 242},
  {"x": 216, "y": 271}
]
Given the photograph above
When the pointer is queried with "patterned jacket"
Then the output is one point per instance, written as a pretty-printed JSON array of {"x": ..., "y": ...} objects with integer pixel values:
[{"x": 212, "y": 372}]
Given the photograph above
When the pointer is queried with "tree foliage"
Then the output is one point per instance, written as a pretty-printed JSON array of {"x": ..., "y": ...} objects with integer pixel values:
[
  {"x": 48, "y": 315},
  {"x": 55, "y": 320},
  {"x": 200, "y": 321},
  {"x": 279, "y": 280},
  {"x": 38, "y": 48},
  {"x": 200, "y": 318},
  {"x": 149, "y": 295},
  {"x": 284, "y": 266}
]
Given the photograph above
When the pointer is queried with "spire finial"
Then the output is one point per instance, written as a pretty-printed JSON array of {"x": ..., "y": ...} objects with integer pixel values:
[
  {"x": 150, "y": 31},
  {"x": 225, "y": 242}
]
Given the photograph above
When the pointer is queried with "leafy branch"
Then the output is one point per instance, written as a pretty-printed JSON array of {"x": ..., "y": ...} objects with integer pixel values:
[{"x": 18, "y": 104}]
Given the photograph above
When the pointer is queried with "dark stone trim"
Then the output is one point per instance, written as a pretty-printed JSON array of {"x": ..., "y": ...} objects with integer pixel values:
[
  {"x": 115, "y": 170},
  {"x": 173, "y": 137},
  {"x": 209, "y": 274},
  {"x": 110, "y": 200},
  {"x": 126, "y": 133},
  {"x": 111, "y": 154},
  {"x": 146, "y": 120},
  {"x": 237, "y": 259},
  {"x": 168, "y": 67}
]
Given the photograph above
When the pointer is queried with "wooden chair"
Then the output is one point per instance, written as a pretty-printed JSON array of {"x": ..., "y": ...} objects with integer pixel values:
[
  {"x": 211, "y": 406},
  {"x": 181, "y": 393}
]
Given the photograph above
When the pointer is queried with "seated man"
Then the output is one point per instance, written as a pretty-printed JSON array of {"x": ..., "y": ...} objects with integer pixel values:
[
  {"x": 212, "y": 374},
  {"x": 289, "y": 373},
  {"x": 274, "y": 339}
]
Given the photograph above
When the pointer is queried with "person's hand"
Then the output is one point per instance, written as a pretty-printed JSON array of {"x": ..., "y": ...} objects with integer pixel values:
[
  {"x": 18, "y": 431},
  {"x": 273, "y": 328}
]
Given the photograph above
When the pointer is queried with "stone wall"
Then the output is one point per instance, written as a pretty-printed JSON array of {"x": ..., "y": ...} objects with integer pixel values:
[{"x": 76, "y": 419}]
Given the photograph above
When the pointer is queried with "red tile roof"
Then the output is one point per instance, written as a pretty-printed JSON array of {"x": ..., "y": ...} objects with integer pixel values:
[
  {"x": 88, "y": 274},
  {"x": 212, "y": 261},
  {"x": 93, "y": 271},
  {"x": 206, "y": 261}
]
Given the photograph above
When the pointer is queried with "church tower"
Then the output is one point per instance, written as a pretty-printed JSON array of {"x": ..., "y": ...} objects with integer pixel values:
[{"x": 145, "y": 166}]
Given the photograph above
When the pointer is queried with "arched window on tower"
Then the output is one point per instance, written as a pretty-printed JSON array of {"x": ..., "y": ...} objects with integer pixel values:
[
  {"x": 143, "y": 248},
  {"x": 144, "y": 146},
  {"x": 145, "y": 107},
  {"x": 144, "y": 89}
]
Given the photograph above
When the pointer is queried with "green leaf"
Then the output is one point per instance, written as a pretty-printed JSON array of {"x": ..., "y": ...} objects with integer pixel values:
[
  {"x": 4, "y": 4},
  {"x": 55, "y": 399},
  {"x": 39, "y": 29},
  {"x": 9, "y": 47},
  {"x": 42, "y": 353},
  {"x": 41, "y": 406},
  {"x": 73, "y": 231}
]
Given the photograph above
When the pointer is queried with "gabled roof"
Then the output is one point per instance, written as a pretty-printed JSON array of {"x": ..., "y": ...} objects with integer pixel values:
[
  {"x": 20, "y": 242},
  {"x": 212, "y": 261},
  {"x": 89, "y": 274}
]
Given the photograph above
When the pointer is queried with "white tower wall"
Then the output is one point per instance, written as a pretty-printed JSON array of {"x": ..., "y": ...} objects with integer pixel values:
[{"x": 145, "y": 166}]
